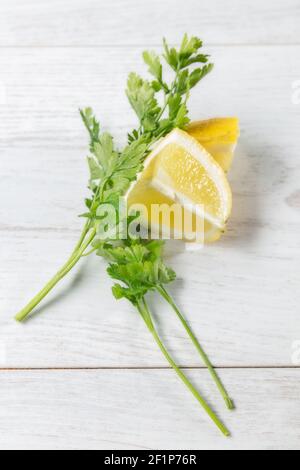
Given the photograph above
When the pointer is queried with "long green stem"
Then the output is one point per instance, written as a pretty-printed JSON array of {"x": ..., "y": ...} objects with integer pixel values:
[
  {"x": 72, "y": 261},
  {"x": 82, "y": 238},
  {"x": 228, "y": 401},
  {"x": 145, "y": 313},
  {"x": 79, "y": 251}
]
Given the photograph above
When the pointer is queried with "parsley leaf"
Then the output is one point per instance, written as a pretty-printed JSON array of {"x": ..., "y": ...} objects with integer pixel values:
[
  {"x": 154, "y": 63},
  {"x": 141, "y": 96},
  {"x": 140, "y": 268}
]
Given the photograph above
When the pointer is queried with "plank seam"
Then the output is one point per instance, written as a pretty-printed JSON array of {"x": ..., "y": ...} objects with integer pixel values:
[
  {"x": 147, "y": 45},
  {"x": 150, "y": 368}
]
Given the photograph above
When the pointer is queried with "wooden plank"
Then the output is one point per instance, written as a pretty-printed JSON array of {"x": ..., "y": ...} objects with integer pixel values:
[
  {"x": 242, "y": 304},
  {"x": 241, "y": 295},
  {"x": 138, "y": 409},
  {"x": 74, "y": 22},
  {"x": 40, "y": 127}
]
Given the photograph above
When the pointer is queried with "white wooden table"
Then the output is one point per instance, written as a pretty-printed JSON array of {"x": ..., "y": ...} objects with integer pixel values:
[{"x": 84, "y": 373}]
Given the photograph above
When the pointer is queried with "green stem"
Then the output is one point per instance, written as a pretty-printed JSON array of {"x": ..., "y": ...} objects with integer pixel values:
[
  {"x": 145, "y": 313},
  {"x": 82, "y": 238},
  {"x": 73, "y": 260},
  {"x": 228, "y": 401},
  {"x": 88, "y": 253}
]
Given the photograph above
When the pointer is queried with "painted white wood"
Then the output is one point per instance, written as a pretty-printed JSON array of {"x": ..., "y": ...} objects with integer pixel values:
[
  {"x": 94, "y": 22},
  {"x": 241, "y": 295},
  {"x": 138, "y": 409},
  {"x": 242, "y": 304},
  {"x": 40, "y": 127}
]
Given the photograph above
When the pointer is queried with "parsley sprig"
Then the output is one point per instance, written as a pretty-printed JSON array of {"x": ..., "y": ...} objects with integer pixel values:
[
  {"x": 137, "y": 265},
  {"x": 162, "y": 106}
]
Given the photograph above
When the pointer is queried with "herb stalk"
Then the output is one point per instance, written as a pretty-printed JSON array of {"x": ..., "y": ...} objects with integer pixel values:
[
  {"x": 146, "y": 315},
  {"x": 72, "y": 261},
  {"x": 228, "y": 401}
]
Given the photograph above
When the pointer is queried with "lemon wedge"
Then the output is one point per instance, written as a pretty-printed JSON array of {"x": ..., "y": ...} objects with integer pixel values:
[
  {"x": 181, "y": 171},
  {"x": 219, "y": 137}
]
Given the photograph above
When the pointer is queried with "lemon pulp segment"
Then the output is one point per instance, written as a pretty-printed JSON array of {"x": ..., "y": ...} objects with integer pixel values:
[{"x": 178, "y": 169}]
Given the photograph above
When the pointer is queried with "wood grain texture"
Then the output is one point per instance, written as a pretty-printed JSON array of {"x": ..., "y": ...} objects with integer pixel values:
[
  {"x": 45, "y": 88},
  {"x": 40, "y": 127},
  {"x": 119, "y": 22},
  {"x": 243, "y": 306},
  {"x": 139, "y": 409},
  {"x": 227, "y": 291},
  {"x": 241, "y": 296}
]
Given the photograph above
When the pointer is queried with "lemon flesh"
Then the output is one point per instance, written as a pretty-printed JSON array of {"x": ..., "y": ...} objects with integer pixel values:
[
  {"x": 160, "y": 227},
  {"x": 219, "y": 137},
  {"x": 181, "y": 171}
]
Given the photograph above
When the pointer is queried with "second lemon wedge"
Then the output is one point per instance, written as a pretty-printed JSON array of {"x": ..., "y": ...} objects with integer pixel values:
[
  {"x": 219, "y": 137},
  {"x": 180, "y": 170}
]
